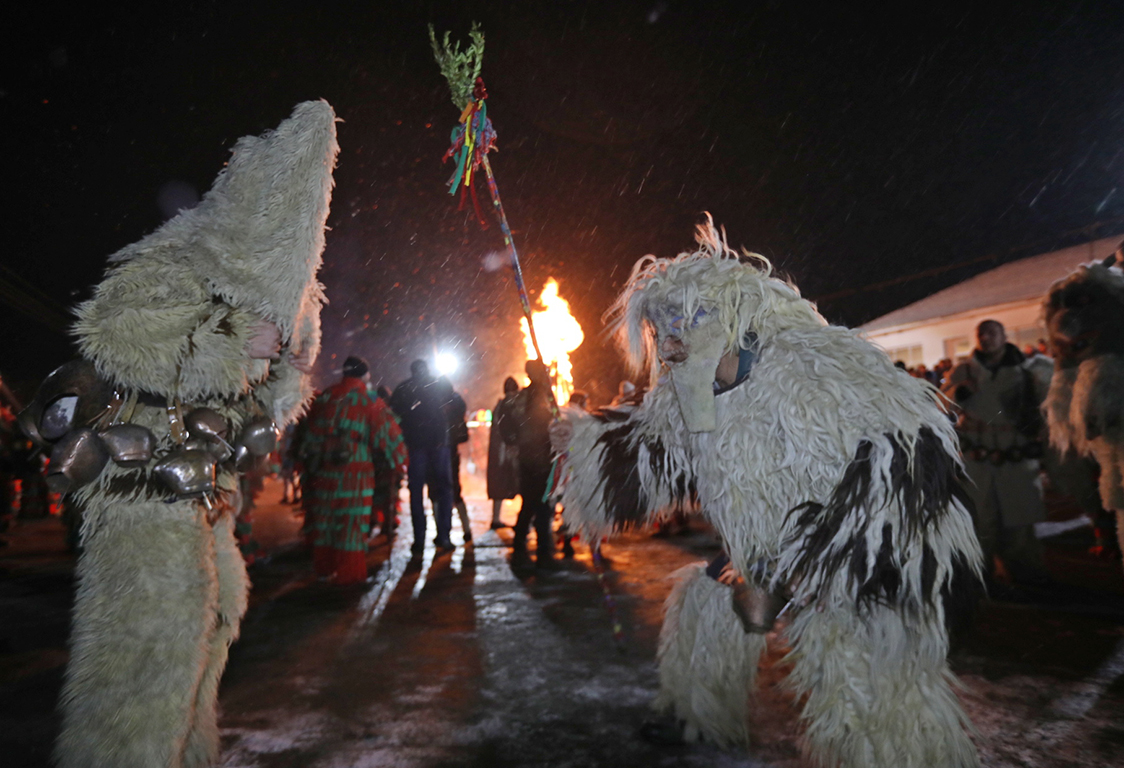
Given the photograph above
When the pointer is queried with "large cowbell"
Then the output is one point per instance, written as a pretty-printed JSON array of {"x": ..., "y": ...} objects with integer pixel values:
[
  {"x": 691, "y": 348},
  {"x": 72, "y": 396}
]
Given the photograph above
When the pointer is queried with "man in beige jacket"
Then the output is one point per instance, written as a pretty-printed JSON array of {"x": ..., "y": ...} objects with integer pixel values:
[{"x": 999, "y": 391}]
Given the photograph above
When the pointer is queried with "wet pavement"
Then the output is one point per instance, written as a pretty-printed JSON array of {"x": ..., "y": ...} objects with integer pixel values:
[{"x": 459, "y": 661}]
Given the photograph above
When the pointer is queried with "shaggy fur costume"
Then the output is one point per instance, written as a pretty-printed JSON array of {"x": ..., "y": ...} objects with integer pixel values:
[
  {"x": 162, "y": 586},
  {"x": 706, "y": 657},
  {"x": 834, "y": 470},
  {"x": 1085, "y": 405}
]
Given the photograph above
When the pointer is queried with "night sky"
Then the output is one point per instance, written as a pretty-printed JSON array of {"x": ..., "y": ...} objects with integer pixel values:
[{"x": 853, "y": 148}]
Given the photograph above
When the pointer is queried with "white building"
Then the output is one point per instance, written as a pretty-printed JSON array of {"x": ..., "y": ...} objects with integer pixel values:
[{"x": 944, "y": 324}]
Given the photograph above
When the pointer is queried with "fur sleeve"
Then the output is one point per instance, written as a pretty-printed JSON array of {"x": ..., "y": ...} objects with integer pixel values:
[
  {"x": 286, "y": 393},
  {"x": 152, "y": 326},
  {"x": 215, "y": 360},
  {"x": 135, "y": 328},
  {"x": 1097, "y": 407},
  {"x": 614, "y": 476},
  {"x": 1059, "y": 401}
]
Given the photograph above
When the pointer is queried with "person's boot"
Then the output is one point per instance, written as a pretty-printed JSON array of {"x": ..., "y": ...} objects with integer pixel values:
[
  {"x": 462, "y": 511},
  {"x": 520, "y": 560},
  {"x": 545, "y": 561}
]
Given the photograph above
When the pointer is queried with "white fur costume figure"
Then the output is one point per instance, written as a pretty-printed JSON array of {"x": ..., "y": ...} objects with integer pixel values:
[
  {"x": 161, "y": 585},
  {"x": 1085, "y": 405},
  {"x": 834, "y": 482}
]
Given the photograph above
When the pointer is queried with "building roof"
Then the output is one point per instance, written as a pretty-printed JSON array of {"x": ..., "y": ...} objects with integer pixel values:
[{"x": 1023, "y": 280}]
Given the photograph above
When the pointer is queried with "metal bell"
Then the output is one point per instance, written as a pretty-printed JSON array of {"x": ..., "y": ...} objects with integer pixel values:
[
  {"x": 757, "y": 607},
  {"x": 259, "y": 436},
  {"x": 244, "y": 460},
  {"x": 220, "y": 450},
  {"x": 28, "y": 424},
  {"x": 187, "y": 472},
  {"x": 205, "y": 422},
  {"x": 76, "y": 460},
  {"x": 130, "y": 445},
  {"x": 74, "y": 394},
  {"x": 58, "y": 417}
]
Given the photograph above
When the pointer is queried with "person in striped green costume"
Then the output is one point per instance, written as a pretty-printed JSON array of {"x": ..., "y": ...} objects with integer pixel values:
[{"x": 347, "y": 426}]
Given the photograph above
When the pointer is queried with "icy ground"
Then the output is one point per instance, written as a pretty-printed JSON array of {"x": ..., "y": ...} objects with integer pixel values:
[
  {"x": 458, "y": 661},
  {"x": 463, "y": 663}
]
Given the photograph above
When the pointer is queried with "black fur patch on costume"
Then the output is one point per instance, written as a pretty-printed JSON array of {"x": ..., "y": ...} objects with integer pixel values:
[
  {"x": 224, "y": 326},
  {"x": 625, "y": 501},
  {"x": 685, "y": 490},
  {"x": 818, "y": 524},
  {"x": 960, "y": 596},
  {"x": 884, "y": 579},
  {"x": 923, "y": 495},
  {"x": 681, "y": 486},
  {"x": 928, "y": 571},
  {"x": 936, "y": 480}
]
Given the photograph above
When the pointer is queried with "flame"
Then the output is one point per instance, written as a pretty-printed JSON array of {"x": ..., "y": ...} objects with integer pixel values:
[{"x": 559, "y": 334}]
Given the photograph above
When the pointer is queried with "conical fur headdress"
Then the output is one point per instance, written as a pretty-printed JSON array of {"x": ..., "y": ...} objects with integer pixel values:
[{"x": 254, "y": 242}]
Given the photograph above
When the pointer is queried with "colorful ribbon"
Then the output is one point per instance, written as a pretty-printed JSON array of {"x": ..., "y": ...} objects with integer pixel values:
[{"x": 470, "y": 142}]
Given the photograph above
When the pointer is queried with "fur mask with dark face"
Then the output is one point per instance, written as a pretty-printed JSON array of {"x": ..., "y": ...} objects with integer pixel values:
[
  {"x": 1085, "y": 314},
  {"x": 692, "y": 316}
]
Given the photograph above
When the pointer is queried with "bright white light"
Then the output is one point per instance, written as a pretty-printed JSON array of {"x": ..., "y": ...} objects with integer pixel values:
[{"x": 446, "y": 364}]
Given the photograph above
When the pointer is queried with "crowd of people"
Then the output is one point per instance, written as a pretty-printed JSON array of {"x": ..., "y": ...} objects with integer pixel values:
[
  {"x": 345, "y": 461},
  {"x": 348, "y": 456},
  {"x": 996, "y": 395},
  {"x": 351, "y": 452},
  {"x": 939, "y": 373}
]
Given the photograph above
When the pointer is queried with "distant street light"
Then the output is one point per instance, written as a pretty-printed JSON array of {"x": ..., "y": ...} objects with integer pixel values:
[{"x": 446, "y": 364}]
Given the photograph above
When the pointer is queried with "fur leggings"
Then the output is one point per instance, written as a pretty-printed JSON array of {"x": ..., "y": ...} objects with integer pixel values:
[
  {"x": 160, "y": 597},
  {"x": 878, "y": 691}
]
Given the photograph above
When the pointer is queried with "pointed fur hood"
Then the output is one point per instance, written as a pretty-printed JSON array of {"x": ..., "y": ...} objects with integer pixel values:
[{"x": 254, "y": 244}]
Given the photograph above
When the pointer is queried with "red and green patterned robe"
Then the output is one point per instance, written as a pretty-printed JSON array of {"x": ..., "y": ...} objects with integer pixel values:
[{"x": 340, "y": 495}]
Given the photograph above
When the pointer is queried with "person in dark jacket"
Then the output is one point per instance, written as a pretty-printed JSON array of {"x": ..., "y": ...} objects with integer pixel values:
[
  {"x": 527, "y": 426},
  {"x": 503, "y": 459},
  {"x": 455, "y": 412},
  {"x": 421, "y": 402}
]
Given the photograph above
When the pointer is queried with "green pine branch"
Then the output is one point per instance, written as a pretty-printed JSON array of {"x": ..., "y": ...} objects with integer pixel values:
[{"x": 460, "y": 68}]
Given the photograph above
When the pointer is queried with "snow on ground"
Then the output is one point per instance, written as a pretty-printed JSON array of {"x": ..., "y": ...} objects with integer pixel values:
[{"x": 459, "y": 661}]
